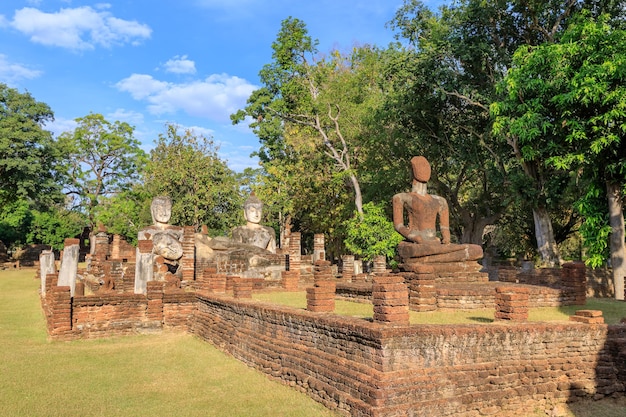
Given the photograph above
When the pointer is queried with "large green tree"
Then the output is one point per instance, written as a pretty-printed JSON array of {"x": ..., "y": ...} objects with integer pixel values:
[
  {"x": 440, "y": 107},
  {"x": 310, "y": 116},
  {"x": 204, "y": 190},
  {"x": 566, "y": 107},
  {"x": 102, "y": 158},
  {"x": 27, "y": 151}
]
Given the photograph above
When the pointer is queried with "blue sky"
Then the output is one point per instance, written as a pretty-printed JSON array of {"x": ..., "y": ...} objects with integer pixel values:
[{"x": 152, "y": 62}]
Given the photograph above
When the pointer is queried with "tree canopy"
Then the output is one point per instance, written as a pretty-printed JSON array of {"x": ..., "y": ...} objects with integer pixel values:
[
  {"x": 566, "y": 107},
  {"x": 186, "y": 167},
  {"x": 28, "y": 154},
  {"x": 101, "y": 158}
]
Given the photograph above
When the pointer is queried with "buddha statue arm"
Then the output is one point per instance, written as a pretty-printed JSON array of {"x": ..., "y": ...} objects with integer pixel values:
[{"x": 398, "y": 215}]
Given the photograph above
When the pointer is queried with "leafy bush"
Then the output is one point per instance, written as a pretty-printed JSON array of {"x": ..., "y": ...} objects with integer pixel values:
[{"x": 372, "y": 234}]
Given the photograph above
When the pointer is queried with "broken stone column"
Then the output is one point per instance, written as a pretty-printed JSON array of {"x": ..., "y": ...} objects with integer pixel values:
[
  {"x": 390, "y": 297},
  {"x": 512, "y": 303},
  {"x": 379, "y": 265},
  {"x": 46, "y": 266},
  {"x": 422, "y": 291},
  {"x": 69, "y": 265},
  {"x": 347, "y": 270},
  {"x": 319, "y": 252},
  {"x": 242, "y": 287},
  {"x": 321, "y": 297},
  {"x": 115, "y": 247},
  {"x": 144, "y": 266},
  {"x": 574, "y": 281},
  {"x": 295, "y": 252},
  {"x": 188, "y": 259}
]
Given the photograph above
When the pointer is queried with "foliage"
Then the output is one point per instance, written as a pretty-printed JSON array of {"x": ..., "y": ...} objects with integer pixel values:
[
  {"x": 204, "y": 191},
  {"x": 103, "y": 158},
  {"x": 595, "y": 229},
  {"x": 439, "y": 102},
  {"x": 15, "y": 221},
  {"x": 27, "y": 151},
  {"x": 21, "y": 224},
  {"x": 125, "y": 213},
  {"x": 565, "y": 105},
  {"x": 310, "y": 116},
  {"x": 372, "y": 234},
  {"x": 53, "y": 226}
]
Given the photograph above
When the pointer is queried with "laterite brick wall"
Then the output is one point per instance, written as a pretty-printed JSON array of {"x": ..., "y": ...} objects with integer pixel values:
[
  {"x": 368, "y": 369},
  {"x": 111, "y": 313}
]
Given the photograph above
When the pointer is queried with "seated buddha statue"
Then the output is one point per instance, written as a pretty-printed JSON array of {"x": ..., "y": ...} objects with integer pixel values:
[
  {"x": 253, "y": 233},
  {"x": 421, "y": 244}
]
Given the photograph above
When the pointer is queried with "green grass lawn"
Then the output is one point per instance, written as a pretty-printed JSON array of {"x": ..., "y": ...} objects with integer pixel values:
[
  {"x": 173, "y": 374},
  {"x": 613, "y": 310},
  {"x": 169, "y": 374}
]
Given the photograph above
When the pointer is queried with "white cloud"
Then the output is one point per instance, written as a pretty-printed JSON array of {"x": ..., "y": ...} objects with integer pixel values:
[
  {"x": 129, "y": 116},
  {"x": 214, "y": 98},
  {"x": 11, "y": 72},
  {"x": 79, "y": 28},
  {"x": 141, "y": 86},
  {"x": 180, "y": 65}
]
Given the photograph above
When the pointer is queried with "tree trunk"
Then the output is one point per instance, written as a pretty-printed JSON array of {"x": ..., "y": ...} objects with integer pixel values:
[
  {"x": 616, "y": 240},
  {"x": 358, "y": 197},
  {"x": 546, "y": 245}
]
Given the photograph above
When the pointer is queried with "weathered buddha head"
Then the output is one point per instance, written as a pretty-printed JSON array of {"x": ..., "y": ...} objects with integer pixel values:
[
  {"x": 421, "y": 169},
  {"x": 253, "y": 209},
  {"x": 161, "y": 209}
]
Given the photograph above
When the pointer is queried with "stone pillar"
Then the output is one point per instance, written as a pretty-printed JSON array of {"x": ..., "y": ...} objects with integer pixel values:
[
  {"x": 380, "y": 265},
  {"x": 512, "y": 303},
  {"x": 52, "y": 280},
  {"x": 212, "y": 281},
  {"x": 242, "y": 288},
  {"x": 102, "y": 246},
  {"x": 46, "y": 266},
  {"x": 574, "y": 280},
  {"x": 69, "y": 264},
  {"x": 144, "y": 266},
  {"x": 422, "y": 291},
  {"x": 358, "y": 267},
  {"x": 390, "y": 297},
  {"x": 188, "y": 259},
  {"x": 347, "y": 269},
  {"x": 319, "y": 253},
  {"x": 115, "y": 247},
  {"x": 321, "y": 297},
  {"x": 290, "y": 280},
  {"x": 59, "y": 315},
  {"x": 295, "y": 252},
  {"x": 154, "y": 293}
]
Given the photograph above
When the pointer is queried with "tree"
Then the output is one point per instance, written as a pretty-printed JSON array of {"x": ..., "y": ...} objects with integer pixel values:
[
  {"x": 53, "y": 226},
  {"x": 27, "y": 151},
  {"x": 102, "y": 158},
  {"x": 372, "y": 234},
  {"x": 440, "y": 106},
  {"x": 566, "y": 106},
  {"x": 125, "y": 213},
  {"x": 297, "y": 95},
  {"x": 204, "y": 191}
]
